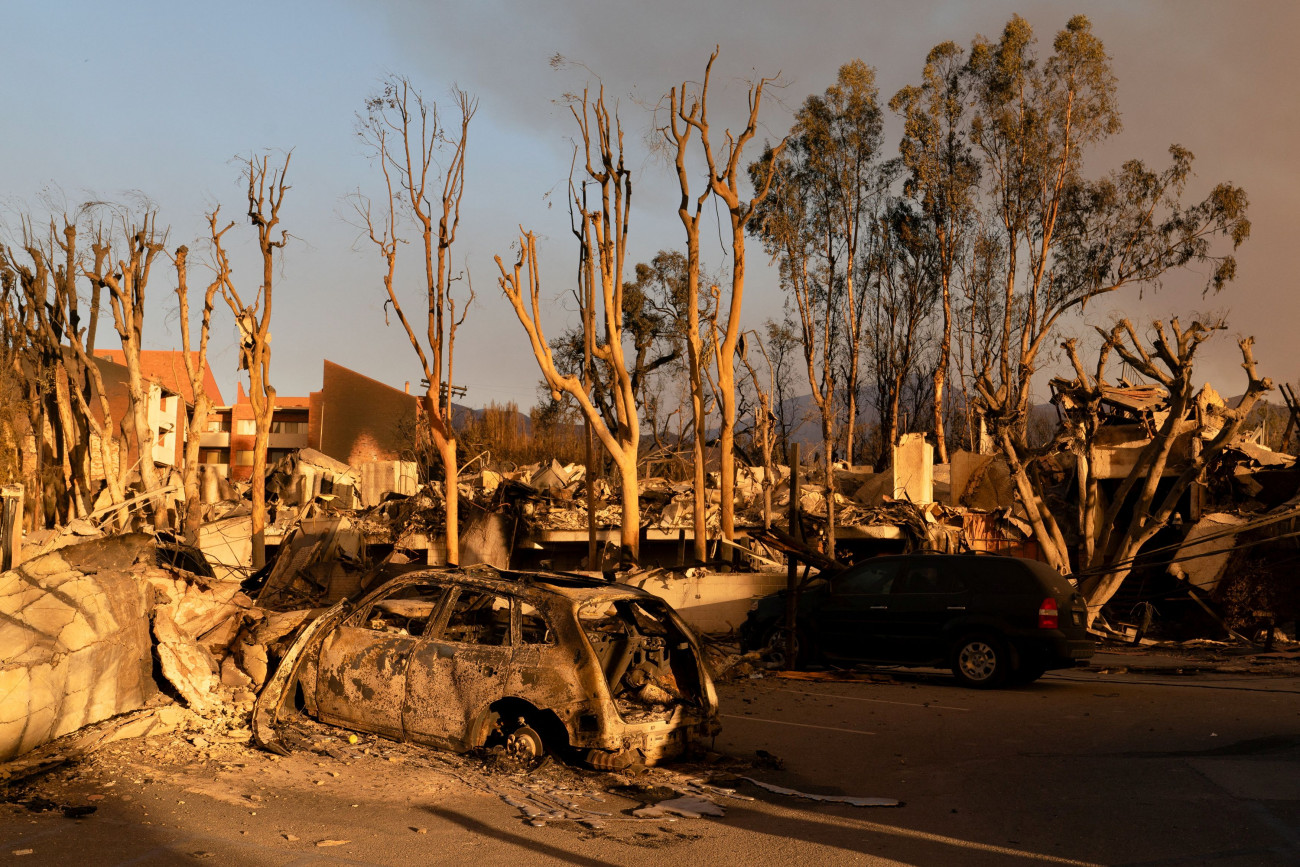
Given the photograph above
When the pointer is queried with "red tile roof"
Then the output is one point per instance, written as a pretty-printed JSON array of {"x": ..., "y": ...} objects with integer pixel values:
[{"x": 167, "y": 367}]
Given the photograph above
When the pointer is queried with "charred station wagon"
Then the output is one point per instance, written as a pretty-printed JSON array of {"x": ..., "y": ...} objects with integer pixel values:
[{"x": 534, "y": 661}]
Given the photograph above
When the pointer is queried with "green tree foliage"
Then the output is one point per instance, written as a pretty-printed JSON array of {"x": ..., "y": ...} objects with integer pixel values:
[
  {"x": 943, "y": 178},
  {"x": 1068, "y": 239}
]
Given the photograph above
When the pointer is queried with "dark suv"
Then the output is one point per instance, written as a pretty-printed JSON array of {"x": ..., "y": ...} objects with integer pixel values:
[{"x": 992, "y": 619}]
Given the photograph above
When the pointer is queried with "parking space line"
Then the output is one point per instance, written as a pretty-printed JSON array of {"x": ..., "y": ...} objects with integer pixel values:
[
  {"x": 782, "y": 722},
  {"x": 876, "y": 700}
]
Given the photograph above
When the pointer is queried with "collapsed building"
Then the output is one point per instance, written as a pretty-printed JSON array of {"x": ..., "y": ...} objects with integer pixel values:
[
  {"x": 98, "y": 627},
  {"x": 1226, "y": 558}
]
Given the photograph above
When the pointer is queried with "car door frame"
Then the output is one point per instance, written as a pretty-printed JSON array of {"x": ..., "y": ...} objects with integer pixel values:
[
  {"x": 450, "y": 684},
  {"x": 849, "y": 624},
  {"x": 918, "y": 618},
  {"x": 361, "y": 674}
]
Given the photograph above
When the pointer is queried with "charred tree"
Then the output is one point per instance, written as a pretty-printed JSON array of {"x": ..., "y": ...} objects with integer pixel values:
[{"x": 409, "y": 138}]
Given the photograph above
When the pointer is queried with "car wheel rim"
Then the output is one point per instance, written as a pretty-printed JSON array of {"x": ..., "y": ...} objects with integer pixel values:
[
  {"x": 524, "y": 743},
  {"x": 977, "y": 660},
  {"x": 775, "y": 650}
]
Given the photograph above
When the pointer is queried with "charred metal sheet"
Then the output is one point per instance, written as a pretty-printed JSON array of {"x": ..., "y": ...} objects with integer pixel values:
[{"x": 270, "y": 702}]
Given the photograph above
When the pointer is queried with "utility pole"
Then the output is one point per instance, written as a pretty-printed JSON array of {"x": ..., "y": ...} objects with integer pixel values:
[{"x": 792, "y": 573}]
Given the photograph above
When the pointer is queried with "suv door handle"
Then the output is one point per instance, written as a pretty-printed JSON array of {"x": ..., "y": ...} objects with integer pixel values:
[
  {"x": 956, "y": 607},
  {"x": 879, "y": 607}
]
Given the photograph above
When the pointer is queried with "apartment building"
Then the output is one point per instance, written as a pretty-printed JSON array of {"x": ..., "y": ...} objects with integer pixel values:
[
  {"x": 353, "y": 418},
  {"x": 170, "y": 396}
]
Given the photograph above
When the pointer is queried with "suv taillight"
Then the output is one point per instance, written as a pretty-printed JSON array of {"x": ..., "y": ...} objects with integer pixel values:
[{"x": 1047, "y": 618}]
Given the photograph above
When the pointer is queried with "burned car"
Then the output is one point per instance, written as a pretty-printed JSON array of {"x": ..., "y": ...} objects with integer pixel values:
[{"x": 532, "y": 661}]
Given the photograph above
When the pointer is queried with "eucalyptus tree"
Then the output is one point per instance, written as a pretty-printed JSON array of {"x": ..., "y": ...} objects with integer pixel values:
[
  {"x": 943, "y": 178},
  {"x": 1066, "y": 239},
  {"x": 898, "y": 309},
  {"x": 818, "y": 222}
]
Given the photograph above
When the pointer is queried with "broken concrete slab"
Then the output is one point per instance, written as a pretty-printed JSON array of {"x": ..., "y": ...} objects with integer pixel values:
[
  {"x": 228, "y": 545},
  {"x": 486, "y": 538},
  {"x": 74, "y": 644},
  {"x": 1203, "y": 556},
  {"x": 980, "y": 481},
  {"x": 379, "y": 478},
  {"x": 189, "y": 668}
]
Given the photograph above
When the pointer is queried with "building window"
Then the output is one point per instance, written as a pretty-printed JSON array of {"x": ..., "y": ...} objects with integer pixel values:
[
  {"x": 244, "y": 458},
  {"x": 246, "y": 426},
  {"x": 212, "y": 456},
  {"x": 288, "y": 427},
  {"x": 274, "y": 456},
  {"x": 218, "y": 424}
]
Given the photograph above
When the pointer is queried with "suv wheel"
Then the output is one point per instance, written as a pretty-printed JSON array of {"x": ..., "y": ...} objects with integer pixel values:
[{"x": 980, "y": 661}]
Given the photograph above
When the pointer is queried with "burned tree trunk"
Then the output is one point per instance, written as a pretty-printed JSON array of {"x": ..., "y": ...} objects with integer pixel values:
[
  {"x": 1169, "y": 361},
  {"x": 266, "y": 189},
  {"x": 410, "y": 171},
  {"x": 126, "y": 281},
  {"x": 195, "y": 364}
]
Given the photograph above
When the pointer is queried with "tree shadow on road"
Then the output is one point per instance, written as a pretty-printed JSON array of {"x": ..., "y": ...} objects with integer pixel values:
[{"x": 474, "y": 826}]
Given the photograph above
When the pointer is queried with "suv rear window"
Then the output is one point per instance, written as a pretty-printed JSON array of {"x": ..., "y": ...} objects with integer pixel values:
[{"x": 1054, "y": 581}]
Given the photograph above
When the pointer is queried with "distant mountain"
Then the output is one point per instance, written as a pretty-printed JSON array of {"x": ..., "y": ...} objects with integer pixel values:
[
  {"x": 462, "y": 415},
  {"x": 803, "y": 413}
]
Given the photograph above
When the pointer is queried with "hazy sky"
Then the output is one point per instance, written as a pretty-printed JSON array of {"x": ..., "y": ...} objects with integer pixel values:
[{"x": 100, "y": 99}]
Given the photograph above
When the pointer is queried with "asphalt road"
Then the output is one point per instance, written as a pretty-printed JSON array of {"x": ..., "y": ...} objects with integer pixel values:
[
  {"x": 1128, "y": 768},
  {"x": 1132, "y": 769}
]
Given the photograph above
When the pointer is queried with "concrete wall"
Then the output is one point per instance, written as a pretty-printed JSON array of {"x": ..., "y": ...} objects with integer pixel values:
[
  {"x": 713, "y": 601},
  {"x": 74, "y": 647}
]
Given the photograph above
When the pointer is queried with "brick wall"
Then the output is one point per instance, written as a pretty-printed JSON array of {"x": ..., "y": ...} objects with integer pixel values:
[{"x": 358, "y": 419}]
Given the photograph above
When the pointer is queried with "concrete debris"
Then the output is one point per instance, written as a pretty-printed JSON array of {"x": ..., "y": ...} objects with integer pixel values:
[
  {"x": 74, "y": 640},
  {"x": 321, "y": 559},
  {"x": 187, "y": 667},
  {"x": 81, "y": 628},
  {"x": 826, "y": 799},
  {"x": 1206, "y": 549},
  {"x": 84, "y": 614}
]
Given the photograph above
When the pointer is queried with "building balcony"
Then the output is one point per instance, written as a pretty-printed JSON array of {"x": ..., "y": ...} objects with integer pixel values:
[{"x": 288, "y": 441}]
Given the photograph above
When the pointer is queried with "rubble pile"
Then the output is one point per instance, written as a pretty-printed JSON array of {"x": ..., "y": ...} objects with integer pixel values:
[
  {"x": 91, "y": 619},
  {"x": 85, "y": 623},
  {"x": 1238, "y": 521}
]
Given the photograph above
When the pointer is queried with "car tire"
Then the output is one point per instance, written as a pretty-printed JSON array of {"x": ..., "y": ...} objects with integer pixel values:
[
  {"x": 774, "y": 649},
  {"x": 981, "y": 661}
]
